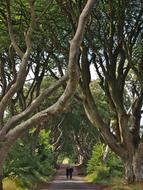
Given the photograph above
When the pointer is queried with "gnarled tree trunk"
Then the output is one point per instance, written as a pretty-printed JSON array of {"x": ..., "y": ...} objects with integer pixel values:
[
  {"x": 138, "y": 163},
  {"x": 3, "y": 153},
  {"x": 133, "y": 165},
  {"x": 129, "y": 172},
  {"x": 130, "y": 153}
]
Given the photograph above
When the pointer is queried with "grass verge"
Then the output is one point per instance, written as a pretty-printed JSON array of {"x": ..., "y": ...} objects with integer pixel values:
[
  {"x": 11, "y": 184},
  {"x": 116, "y": 183}
]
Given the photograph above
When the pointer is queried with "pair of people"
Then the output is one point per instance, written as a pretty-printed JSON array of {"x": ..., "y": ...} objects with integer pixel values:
[{"x": 69, "y": 172}]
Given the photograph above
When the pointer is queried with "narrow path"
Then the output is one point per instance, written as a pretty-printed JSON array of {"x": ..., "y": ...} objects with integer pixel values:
[{"x": 61, "y": 183}]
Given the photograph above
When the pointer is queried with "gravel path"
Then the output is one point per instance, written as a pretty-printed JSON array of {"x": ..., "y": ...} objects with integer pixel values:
[{"x": 61, "y": 183}]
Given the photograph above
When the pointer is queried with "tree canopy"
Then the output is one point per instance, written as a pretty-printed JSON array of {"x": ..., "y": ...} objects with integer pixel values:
[{"x": 47, "y": 49}]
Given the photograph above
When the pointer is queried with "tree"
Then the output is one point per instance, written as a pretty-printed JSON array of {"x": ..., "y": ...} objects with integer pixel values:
[
  {"x": 12, "y": 128},
  {"x": 72, "y": 134},
  {"x": 113, "y": 44},
  {"x": 77, "y": 135}
]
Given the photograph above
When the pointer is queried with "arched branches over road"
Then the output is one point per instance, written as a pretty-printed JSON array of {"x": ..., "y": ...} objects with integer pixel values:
[{"x": 15, "y": 63}]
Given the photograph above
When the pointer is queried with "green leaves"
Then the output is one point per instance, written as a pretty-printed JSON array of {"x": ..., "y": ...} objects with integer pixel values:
[
  {"x": 96, "y": 164},
  {"x": 30, "y": 166},
  {"x": 96, "y": 158}
]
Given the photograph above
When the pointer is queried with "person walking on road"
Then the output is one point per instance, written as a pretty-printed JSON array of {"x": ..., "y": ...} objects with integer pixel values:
[
  {"x": 70, "y": 172},
  {"x": 67, "y": 172}
]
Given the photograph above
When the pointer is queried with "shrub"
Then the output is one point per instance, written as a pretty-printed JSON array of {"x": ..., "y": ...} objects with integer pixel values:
[
  {"x": 101, "y": 174},
  {"x": 11, "y": 184},
  {"x": 96, "y": 158},
  {"x": 28, "y": 167},
  {"x": 98, "y": 168},
  {"x": 115, "y": 164}
]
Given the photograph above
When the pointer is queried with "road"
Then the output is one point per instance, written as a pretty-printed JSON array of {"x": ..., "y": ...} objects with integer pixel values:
[{"x": 61, "y": 183}]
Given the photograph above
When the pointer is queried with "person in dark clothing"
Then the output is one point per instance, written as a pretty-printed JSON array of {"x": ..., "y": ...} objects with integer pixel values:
[
  {"x": 67, "y": 172},
  {"x": 70, "y": 172}
]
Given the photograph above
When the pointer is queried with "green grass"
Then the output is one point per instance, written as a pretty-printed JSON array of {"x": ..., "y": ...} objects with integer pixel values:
[
  {"x": 119, "y": 184},
  {"x": 93, "y": 178},
  {"x": 11, "y": 184},
  {"x": 116, "y": 183},
  {"x": 24, "y": 182}
]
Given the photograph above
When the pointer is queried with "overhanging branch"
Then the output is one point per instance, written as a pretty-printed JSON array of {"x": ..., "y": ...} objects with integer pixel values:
[{"x": 72, "y": 84}]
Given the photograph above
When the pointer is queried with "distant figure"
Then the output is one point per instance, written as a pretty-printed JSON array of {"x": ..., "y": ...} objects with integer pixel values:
[
  {"x": 67, "y": 171},
  {"x": 70, "y": 172}
]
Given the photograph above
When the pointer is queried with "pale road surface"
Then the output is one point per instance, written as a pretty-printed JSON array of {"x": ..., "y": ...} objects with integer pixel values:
[{"x": 61, "y": 183}]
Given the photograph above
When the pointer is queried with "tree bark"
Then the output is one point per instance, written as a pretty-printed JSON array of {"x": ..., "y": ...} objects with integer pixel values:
[
  {"x": 134, "y": 166},
  {"x": 1, "y": 185},
  {"x": 129, "y": 173},
  {"x": 132, "y": 156},
  {"x": 3, "y": 153},
  {"x": 138, "y": 163},
  {"x": 105, "y": 155}
]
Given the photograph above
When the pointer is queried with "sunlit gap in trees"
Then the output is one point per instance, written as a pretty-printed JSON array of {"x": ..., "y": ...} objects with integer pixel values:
[{"x": 93, "y": 72}]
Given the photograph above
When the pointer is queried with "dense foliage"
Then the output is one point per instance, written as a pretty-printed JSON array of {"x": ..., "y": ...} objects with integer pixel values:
[
  {"x": 29, "y": 165},
  {"x": 100, "y": 170}
]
